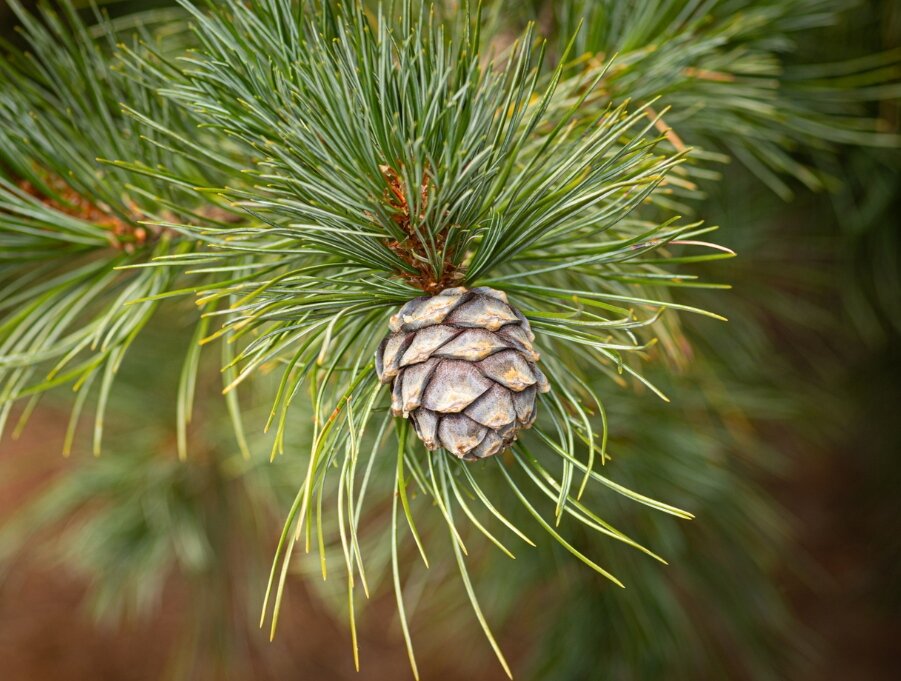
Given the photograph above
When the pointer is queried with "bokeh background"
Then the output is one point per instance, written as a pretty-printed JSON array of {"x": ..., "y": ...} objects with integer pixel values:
[{"x": 784, "y": 432}]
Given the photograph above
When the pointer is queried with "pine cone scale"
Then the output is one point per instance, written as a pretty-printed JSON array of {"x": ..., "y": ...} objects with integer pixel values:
[
  {"x": 427, "y": 342},
  {"x": 454, "y": 386},
  {"x": 494, "y": 409},
  {"x": 463, "y": 368},
  {"x": 414, "y": 383},
  {"x": 472, "y": 345},
  {"x": 460, "y": 434},
  {"x": 482, "y": 312},
  {"x": 510, "y": 369}
]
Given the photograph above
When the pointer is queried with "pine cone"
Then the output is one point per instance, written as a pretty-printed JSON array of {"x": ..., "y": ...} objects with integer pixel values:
[{"x": 463, "y": 367}]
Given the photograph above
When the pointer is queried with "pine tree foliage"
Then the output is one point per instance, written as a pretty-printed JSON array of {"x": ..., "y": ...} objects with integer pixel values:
[
  {"x": 71, "y": 225},
  {"x": 309, "y": 167},
  {"x": 728, "y": 72},
  {"x": 383, "y": 158},
  {"x": 146, "y": 530},
  {"x": 388, "y": 160}
]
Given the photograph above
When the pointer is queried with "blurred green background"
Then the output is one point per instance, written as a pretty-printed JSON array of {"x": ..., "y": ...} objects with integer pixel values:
[{"x": 137, "y": 566}]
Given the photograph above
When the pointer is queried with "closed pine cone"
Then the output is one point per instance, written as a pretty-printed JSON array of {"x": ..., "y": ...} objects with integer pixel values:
[{"x": 463, "y": 367}]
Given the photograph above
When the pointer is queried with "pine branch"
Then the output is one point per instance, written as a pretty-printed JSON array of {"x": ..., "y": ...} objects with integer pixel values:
[
  {"x": 375, "y": 157},
  {"x": 70, "y": 226},
  {"x": 385, "y": 158},
  {"x": 728, "y": 72}
]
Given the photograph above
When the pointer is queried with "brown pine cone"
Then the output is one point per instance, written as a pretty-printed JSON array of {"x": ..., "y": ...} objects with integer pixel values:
[{"x": 463, "y": 367}]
